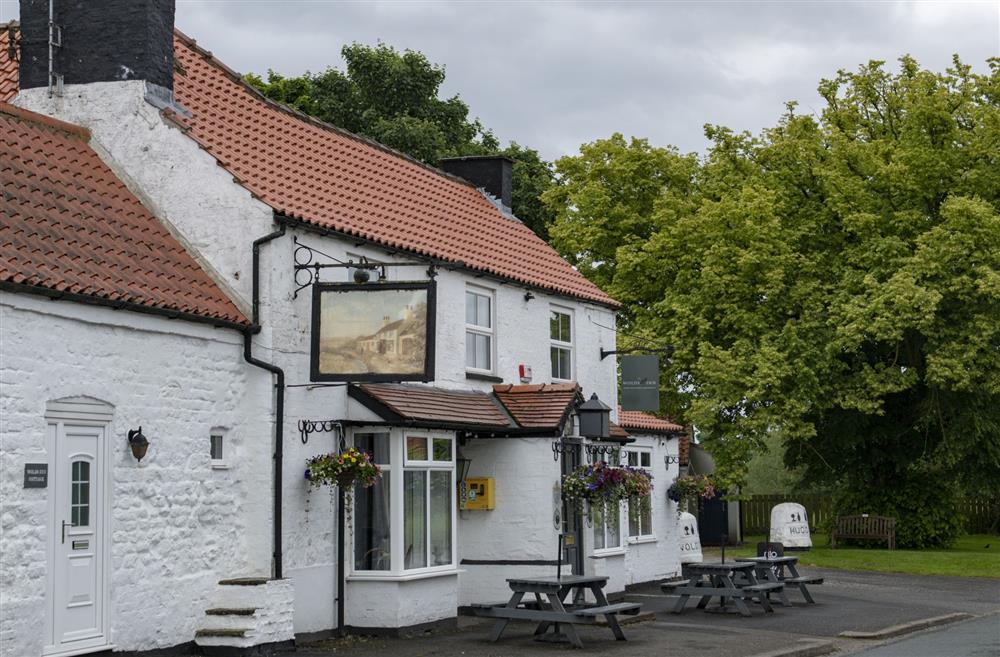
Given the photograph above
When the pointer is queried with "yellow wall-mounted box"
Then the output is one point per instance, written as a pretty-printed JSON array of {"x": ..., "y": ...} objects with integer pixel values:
[{"x": 477, "y": 494}]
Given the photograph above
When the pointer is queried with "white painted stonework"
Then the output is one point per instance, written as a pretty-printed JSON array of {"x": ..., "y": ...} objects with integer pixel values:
[{"x": 178, "y": 525}]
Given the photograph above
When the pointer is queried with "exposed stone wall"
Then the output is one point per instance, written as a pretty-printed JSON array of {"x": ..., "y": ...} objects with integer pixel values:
[{"x": 177, "y": 524}]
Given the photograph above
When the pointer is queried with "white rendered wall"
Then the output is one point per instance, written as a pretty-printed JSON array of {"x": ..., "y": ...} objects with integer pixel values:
[
  {"x": 218, "y": 220},
  {"x": 645, "y": 560},
  {"x": 177, "y": 524}
]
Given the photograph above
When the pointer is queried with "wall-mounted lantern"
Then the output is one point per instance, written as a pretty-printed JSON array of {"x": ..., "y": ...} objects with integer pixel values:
[
  {"x": 595, "y": 419},
  {"x": 138, "y": 443},
  {"x": 462, "y": 465}
]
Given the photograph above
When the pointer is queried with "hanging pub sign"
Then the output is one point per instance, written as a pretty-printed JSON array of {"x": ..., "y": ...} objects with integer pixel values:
[
  {"x": 641, "y": 383},
  {"x": 373, "y": 331}
]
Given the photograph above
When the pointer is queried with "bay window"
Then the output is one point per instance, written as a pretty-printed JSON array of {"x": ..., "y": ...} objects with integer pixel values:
[{"x": 405, "y": 524}]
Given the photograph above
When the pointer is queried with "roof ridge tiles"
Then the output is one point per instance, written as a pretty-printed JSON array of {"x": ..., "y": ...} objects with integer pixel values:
[{"x": 238, "y": 79}]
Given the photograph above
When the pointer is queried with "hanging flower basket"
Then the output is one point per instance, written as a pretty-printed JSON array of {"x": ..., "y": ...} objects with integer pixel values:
[
  {"x": 690, "y": 487},
  {"x": 601, "y": 485},
  {"x": 342, "y": 469}
]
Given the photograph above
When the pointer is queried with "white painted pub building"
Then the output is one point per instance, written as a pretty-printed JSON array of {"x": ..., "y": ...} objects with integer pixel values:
[{"x": 197, "y": 276}]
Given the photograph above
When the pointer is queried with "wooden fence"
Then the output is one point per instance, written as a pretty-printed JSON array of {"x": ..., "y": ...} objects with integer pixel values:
[{"x": 982, "y": 515}]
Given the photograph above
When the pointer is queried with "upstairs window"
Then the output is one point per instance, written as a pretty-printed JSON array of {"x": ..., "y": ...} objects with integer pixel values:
[
  {"x": 479, "y": 330},
  {"x": 561, "y": 344}
]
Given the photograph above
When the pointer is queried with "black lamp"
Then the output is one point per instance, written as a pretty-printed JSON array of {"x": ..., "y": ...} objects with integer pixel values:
[
  {"x": 595, "y": 419},
  {"x": 138, "y": 443},
  {"x": 462, "y": 464}
]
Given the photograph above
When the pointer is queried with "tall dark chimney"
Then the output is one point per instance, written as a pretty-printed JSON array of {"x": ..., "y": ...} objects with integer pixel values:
[
  {"x": 494, "y": 173},
  {"x": 100, "y": 41}
]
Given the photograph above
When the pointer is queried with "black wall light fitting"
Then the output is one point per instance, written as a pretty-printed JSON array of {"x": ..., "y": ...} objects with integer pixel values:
[{"x": 138, "y": 443}]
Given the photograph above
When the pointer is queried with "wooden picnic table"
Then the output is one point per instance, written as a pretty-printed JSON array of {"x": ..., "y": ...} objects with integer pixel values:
[
  {"x": 772, "y": 569},
  {"x": 708, "y": 580},
  {"x": 553, "y": 611}
]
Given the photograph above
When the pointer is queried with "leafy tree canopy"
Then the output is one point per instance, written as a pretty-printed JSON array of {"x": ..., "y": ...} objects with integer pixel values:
[
  {"x": 836, "y": 278},
  {"x": 393, "y": 98}
]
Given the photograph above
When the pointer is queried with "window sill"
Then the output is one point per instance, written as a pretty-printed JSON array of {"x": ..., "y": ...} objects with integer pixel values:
[
  {"x": 374, "y": 577},
  {"x": 220, "y": 465},
  {"x": 482, "y": 376},
  {"x": 614, "y": 552},
  {"x": 639, "y": 540}
]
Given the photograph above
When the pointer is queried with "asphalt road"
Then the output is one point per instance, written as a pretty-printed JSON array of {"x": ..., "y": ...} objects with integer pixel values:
[
  {"x": 848, "y": 600},
  {"x": 979, "y": 637}
]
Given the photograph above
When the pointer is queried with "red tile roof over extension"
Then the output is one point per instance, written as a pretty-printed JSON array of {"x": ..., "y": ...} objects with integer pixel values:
[
  {"x": 68, "y": 224},
  {"x": 426, "y": 404},
  {"x": 329, "y": 178},
  {"x": 543, "y": 405},
  {"x": 8, "y": 65},
  {"x": 639, "y": 421}
]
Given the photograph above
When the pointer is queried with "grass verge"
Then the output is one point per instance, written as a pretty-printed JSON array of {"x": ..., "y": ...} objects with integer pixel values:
[{"x": 973, "y": 555}]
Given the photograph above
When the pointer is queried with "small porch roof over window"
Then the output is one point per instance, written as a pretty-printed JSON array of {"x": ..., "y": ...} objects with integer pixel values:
[{"x": 512, "y": 410}]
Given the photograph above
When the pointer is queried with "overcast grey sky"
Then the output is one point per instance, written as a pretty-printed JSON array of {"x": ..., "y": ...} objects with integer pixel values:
[{"x": 553, "y": 75}]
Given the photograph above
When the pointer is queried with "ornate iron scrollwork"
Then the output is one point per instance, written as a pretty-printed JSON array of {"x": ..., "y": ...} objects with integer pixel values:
[{"x": 307, "y": 427}]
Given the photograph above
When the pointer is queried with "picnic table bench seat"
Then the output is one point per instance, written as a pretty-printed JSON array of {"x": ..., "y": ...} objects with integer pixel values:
[
  {"x": 627, "y": 608},
  {"x": 766, "y": 587},
  {"x": 865, "y": 527},
  {"x": 803, "y": 580}
]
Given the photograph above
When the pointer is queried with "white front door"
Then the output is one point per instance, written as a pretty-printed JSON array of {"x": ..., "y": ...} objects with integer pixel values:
[{"x": 78, "y": 544}]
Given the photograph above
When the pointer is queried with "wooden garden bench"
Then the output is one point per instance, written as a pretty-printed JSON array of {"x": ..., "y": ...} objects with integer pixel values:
[{"x": 880, "y": 528}]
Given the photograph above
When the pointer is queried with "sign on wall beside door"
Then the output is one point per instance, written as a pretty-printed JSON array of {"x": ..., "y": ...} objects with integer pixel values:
[{"x": 36, "y": 475}]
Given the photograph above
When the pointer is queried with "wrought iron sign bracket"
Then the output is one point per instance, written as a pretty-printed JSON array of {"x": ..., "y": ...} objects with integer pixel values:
[
  {"x": 664, "y": 351},
  {"x": 308, "y": 267},
  {"x": 671, "y": 458},
  {"x": 307, "y": 427}
]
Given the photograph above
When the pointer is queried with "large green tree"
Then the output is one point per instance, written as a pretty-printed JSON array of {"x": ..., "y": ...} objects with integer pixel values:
[
  {"x": 836, "y": 278},
  {"x": 393, "y": 98}
]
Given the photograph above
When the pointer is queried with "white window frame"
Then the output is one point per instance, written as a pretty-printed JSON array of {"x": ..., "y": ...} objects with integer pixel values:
[
  {"x": 490, "y": 332},
  {"x": 398, "y": 465},
  {"x": 568, "y": 346},
  {"x": 650, "y": 535},
  {"x": 619, "y": 549},
  {"x": 218, "y": 463}
]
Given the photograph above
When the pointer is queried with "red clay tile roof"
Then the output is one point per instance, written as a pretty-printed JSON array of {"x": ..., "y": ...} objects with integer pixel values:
[
  {"x": 426, "y": 404},
  {"x": 639, "y": 421},
  {"x": 70, "y": 225},
  {"x": 330, "y": 178},
  {"x": 544, "y": 405},
  {"x": 8, "y": 65},
  {"x": 618, "y": 432}
]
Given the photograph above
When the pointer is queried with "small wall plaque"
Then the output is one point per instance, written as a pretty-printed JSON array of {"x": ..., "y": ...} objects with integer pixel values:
[{"x": 36, "y": 475}]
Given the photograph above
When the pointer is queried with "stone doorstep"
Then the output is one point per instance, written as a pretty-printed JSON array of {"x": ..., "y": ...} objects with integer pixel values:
[
  {"x": 244, "y": 581},
  {"x": 233, "y": 633},
  {"x": 223, "y": 611}
]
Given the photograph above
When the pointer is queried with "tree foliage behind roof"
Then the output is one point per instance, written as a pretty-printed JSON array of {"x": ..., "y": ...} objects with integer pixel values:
[
  {"x": 393, "y": 98},
  {"x": 836, "y": 277}
]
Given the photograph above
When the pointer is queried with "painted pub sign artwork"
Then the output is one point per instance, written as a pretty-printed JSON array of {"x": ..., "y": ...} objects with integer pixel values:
[{"x": 373, "y": 332}]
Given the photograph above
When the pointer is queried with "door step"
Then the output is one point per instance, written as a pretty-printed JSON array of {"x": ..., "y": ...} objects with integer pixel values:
[{"x": 248, "y": 616}]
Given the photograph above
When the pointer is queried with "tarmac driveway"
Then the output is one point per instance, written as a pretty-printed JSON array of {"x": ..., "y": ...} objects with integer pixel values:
[{"x": 847, "y": 601}]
